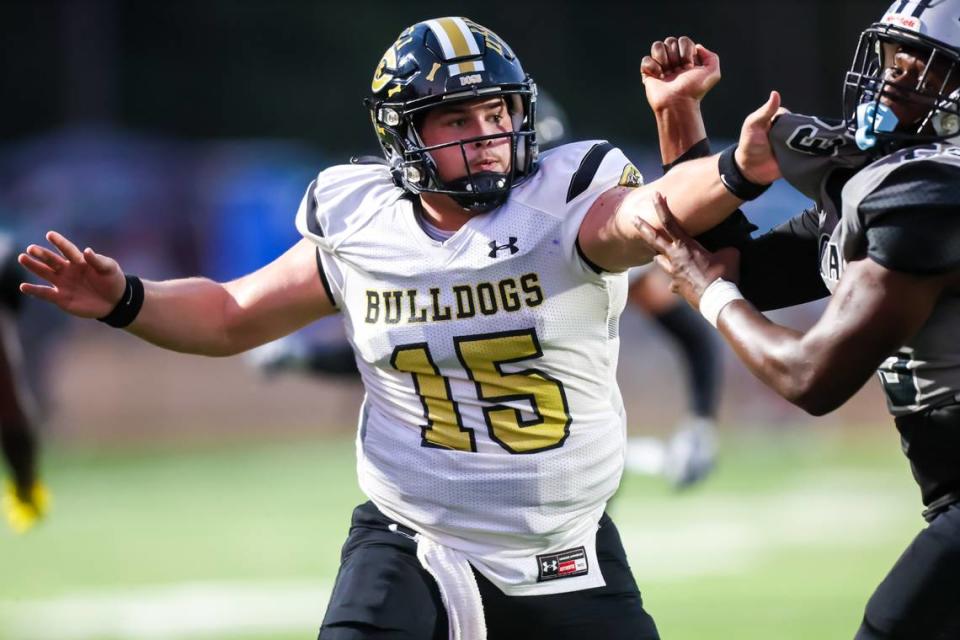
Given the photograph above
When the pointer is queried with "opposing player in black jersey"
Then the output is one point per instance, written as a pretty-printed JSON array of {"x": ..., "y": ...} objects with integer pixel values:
[
  {"x": 886, "y": 234},
  {"x": 24, "y": 498}
]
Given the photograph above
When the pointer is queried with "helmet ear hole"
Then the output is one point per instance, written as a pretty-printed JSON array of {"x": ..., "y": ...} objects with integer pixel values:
[
  {"x": 946, "y": 119},
  {"x": 518, "y": 115}
]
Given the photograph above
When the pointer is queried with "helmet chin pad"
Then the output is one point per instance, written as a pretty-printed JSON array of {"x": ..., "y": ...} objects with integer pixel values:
[
  {"x": 873, "y": 118},
  {"x": 481, "y": 191}
]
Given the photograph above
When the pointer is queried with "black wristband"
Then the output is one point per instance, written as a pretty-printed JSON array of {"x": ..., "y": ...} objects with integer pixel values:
[
  {"x": 734, "y": 180},
  {"x": 700, "y": 149},
  {"x": 128, "y": 307}
]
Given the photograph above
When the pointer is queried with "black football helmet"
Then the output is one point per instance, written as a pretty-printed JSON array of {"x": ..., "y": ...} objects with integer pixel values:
[
  {"x": 439, "y": 62},
  {"x": 931, "y": 26}
]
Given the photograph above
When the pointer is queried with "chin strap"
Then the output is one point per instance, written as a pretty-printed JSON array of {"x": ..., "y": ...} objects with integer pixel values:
[
  {"x": 873, "y": 118},
  {"x": 481, "y": 192}
]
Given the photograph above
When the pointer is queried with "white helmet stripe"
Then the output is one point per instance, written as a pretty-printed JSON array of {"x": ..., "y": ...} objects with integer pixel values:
[
  {"x": 471, "y": 66},
  {"x": 454, "y": 37},
  {"x": 441, "y": 36}
]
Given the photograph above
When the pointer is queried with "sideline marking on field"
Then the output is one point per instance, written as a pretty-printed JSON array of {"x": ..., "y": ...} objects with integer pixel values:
[{"x": 176, "y": 612}]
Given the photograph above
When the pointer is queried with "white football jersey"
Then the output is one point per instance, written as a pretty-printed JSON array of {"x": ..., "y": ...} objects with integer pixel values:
[{"x": 492, "y": 421}]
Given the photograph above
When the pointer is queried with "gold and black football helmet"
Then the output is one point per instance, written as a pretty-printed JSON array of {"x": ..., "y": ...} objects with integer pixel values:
[{"x": 442, "y": 61}]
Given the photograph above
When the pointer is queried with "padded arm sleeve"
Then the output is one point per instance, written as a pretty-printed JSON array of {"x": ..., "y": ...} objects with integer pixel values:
[{"x": 779, "y": 269}]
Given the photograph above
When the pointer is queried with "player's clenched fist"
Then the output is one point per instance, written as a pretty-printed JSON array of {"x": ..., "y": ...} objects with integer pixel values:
[{"x": 677, "y": 70}]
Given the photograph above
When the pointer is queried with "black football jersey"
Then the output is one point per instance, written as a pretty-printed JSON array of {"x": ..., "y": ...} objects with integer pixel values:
[{"x": 902, "y": 211}]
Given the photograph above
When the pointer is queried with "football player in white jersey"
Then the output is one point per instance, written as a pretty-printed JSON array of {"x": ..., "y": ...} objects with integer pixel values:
[
  {"x": 480, "y": 285},
  {"x": 689, "y": 454},
  {"x": 885, "y": 233}
]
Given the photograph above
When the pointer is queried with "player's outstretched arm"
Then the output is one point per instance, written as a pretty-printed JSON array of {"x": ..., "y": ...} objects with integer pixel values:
[
  {"x": 873, "y": 312},
  {"x": 699, "y": 198},
  {"x": 191, "y": 315},
  {"x": 677, "y": 75}
]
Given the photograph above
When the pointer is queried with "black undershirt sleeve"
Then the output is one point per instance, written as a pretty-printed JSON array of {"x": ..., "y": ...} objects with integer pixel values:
[
  {"x": 779, "y": 268},
  {"x": 700, "y": 149}
]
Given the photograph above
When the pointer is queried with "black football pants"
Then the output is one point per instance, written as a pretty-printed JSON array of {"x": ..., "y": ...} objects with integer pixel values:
[
  {"x": 382, "y": 592},
  {"x": 920, "y": 598}
]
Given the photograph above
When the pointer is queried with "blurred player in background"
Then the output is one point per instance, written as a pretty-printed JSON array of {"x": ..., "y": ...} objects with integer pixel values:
[
  {"x": 690, "y": 454},
  {"x": 25, "y": 499},
  {"x": 885, "y": 233}
]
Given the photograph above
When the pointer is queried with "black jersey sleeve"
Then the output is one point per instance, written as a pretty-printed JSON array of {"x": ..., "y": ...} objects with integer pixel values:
[
  {"x": 779, "y": 268},
  {"x": 911, "y": 220},
  {"x": 734, "y": 231}
]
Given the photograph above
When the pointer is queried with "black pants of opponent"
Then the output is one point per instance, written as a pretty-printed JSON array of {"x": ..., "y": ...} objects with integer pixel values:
[
  {"x": 382, "y": 591},
  {"x": 920, "y": 598}
]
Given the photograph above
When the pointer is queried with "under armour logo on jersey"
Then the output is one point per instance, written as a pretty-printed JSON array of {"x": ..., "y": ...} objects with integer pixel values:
[{"x": 495, "y": 248}]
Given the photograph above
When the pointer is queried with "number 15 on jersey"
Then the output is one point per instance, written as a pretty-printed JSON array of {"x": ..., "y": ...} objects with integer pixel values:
[{"x": 483, "y": 357}]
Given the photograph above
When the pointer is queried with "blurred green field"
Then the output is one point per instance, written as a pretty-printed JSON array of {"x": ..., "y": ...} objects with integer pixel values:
[{"x": 786, "y": 540}]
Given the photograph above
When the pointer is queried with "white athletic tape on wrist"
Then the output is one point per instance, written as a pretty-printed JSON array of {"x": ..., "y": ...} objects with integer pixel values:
[{"x": 718, "y": 295}]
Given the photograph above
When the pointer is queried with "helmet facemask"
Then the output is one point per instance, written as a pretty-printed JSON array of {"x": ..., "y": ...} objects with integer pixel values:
[
  {"x": 875, "y": 123},
  {"x": 476, "y": 191}
]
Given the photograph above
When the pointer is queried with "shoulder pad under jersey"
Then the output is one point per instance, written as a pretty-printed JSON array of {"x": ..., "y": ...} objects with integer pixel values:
[
  {"x": 574, "y": 174},
  {"x": 341, "y": 198},
  {"x": 908, "y": 207}
]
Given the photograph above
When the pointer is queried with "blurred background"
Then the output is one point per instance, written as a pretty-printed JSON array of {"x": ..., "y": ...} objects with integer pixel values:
[{"x": 202, "y": 498}]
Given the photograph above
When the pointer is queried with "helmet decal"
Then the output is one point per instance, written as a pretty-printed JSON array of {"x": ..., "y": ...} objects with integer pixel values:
[
  {"x": 906, "y": 22},
  {"x": 492, "y": 40},
  {"x": 382, "y": 76},
  {"x": 913, "y": 8}
]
